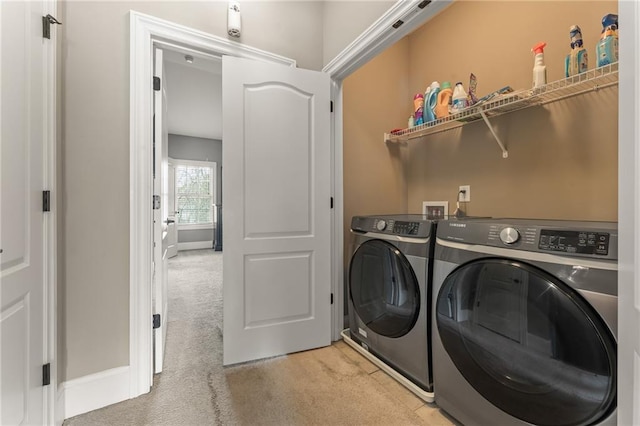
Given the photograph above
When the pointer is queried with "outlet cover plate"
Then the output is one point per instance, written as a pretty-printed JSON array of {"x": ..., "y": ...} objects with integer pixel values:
[{"x": 466, "y": 197}]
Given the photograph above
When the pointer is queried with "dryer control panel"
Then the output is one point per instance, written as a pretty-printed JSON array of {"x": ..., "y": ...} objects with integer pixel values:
[
  {"x": 581, "y": 242},
  {"x": 401, "y": 225}
]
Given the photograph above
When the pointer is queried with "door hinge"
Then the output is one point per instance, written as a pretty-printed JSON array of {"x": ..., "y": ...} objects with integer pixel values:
[
  {"x": 46, "y": 374},
  {"x": 156, "y": 202},
  {"x": 46, "y": 25},
  {"x": 331, "y": 106},
  {"x": 424, "y": 4},
  {"x": 332, "y": 298},
  {"x": 331, "y": 202},
  {"x": 156, "y": 83},
  {"x": 46, "y": 201},
  {"x": 397, "y": 24},
  {"x": 156, "y": 321}
]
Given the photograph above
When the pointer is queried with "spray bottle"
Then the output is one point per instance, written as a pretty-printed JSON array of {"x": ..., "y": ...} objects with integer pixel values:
[
  {"x": 576, "y": 61},
  {"x": 607, "y": 47},
  {"x": 539, "y": 69}
]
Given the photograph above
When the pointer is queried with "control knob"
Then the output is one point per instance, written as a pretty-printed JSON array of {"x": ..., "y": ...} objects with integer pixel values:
[
  {"x": 509, "y": 235},
  {"x": 381, "y": 225}
]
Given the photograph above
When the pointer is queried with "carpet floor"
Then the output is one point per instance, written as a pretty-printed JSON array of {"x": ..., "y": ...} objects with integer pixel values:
[{"x": 329, "y": 386}]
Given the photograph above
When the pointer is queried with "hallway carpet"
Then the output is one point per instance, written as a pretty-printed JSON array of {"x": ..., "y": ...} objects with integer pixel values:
[{"x": 328, "y": 386}]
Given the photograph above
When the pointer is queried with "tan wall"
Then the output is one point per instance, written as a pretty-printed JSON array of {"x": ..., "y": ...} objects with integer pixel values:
[
  {"x": 562, "y": 157},
  {"x": 374, "y": 174}
]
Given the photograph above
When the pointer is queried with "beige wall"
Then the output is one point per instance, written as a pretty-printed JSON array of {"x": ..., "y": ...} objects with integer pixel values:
[
  {"x": 374, "y": 173},
  {"x": 94, "y": 155},
  {"x": 344, "y": 21},
  {"x": 562, "y": 157}
]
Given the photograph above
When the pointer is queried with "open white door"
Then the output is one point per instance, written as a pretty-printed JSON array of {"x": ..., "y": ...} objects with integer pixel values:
[
  {"x": 172, "y": 228},
  {"x": 277, "y": 201},
  {"x": 26, "y": 91},
  {"x": 160, "y": 215}
]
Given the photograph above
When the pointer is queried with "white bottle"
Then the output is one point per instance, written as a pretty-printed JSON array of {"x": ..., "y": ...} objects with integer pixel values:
[
  {"x": 459, "y": 98},
  {"x": 539, "y": 69}
]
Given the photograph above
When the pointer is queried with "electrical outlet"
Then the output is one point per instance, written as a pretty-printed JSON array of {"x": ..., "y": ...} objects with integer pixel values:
[{"x": 466, "y": 196}]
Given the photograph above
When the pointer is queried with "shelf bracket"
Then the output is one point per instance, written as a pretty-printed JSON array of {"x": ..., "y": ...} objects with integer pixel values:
[{"x": 505, "y": 153}]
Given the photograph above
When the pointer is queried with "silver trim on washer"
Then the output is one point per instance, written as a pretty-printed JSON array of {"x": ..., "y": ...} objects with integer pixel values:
[
  {"x": 392, "y": 237},
  {"x": 534, "y": 256}
]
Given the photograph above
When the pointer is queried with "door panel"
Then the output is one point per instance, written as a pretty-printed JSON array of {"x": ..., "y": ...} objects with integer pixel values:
[
  {"x": 271, "y": 139},
  {"x": 22, "y": 275},
  {"x": 277, "y": 210},
  {"x": 160, "y": 215}
]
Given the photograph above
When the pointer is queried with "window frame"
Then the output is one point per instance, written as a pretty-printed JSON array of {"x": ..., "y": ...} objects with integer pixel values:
[{"x": 214, "y": 196}]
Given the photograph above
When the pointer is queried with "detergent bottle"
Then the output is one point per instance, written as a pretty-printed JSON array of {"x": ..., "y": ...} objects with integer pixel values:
[
  {"x": 430, "y": 100},
  {"x": 576, "y": 61},
  {"x": 444, "y": 100},
  {"x": 459, "y": 98},
  {"x": 418, "y": 109},
  {"x": 607, "y": 47},
  {"x": 539, "y": 68}
]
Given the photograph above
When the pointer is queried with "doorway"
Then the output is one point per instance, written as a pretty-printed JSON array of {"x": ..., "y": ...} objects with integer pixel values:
[{"x": 191, "y": 85}]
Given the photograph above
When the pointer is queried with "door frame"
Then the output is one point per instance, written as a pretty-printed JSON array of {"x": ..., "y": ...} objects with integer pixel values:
[{"x": 145, "y": 31}]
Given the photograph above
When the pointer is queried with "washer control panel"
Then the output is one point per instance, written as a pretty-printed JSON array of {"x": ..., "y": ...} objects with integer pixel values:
[
  {"x": 570, "y": 238},
  {"x": 401, "y": 225},
  {"x": 581, "y": 242}
]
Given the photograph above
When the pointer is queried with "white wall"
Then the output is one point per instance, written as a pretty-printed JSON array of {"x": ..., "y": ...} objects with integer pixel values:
[
  {"x": 194, "y": 101},
  {"x": 94, "y": 149}
]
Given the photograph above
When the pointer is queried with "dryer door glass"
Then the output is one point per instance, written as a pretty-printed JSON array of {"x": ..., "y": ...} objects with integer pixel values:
[
  {"x": 384, "y": 289},
  {"x": 528, "y": 343}
]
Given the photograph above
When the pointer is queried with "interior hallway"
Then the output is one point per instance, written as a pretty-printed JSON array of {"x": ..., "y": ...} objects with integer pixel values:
[{"x": 333, "y": 385}]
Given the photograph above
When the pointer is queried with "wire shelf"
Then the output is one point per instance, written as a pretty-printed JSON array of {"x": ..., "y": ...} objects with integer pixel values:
[{"x": 591, "y": 80}]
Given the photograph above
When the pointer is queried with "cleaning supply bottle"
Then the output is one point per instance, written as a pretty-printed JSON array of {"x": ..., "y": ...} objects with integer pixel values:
[
  {"x": 539, "y": 69},
  {"x": 444, "y": 99},
  {"x": 418, "y": 108},
  {"x": 576, "y": 61},
  {"x": 607, "y": 47},
  {"x": 459, "y": 98},
  {"x": 430, "y": 100}
]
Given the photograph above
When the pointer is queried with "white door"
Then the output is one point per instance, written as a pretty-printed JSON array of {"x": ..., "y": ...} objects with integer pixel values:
[
  {"x": 277, "y": 189},
  {"x": 172, "y": 229},
  {"x": 23, "y": 142},
  {"x": 160, "y": 214}
]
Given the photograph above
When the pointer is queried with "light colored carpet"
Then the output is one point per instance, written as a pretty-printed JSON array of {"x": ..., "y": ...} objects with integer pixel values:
[{"x": 328, "y": 386}]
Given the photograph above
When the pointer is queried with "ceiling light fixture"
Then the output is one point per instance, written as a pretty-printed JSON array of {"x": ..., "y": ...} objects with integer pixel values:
[{"x": 188, "y": 58}]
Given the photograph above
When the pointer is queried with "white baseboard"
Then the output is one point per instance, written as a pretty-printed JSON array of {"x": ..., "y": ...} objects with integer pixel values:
[
  {"x": 95, "y": 391},
  {"x": 196, "y": 245},
  {"x": 59, "y": 413}
]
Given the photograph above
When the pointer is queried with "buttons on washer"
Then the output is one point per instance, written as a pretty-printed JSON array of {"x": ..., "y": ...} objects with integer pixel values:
[
  {"x": 509, "y": 235},
  {"x": 381, "y": 225}
]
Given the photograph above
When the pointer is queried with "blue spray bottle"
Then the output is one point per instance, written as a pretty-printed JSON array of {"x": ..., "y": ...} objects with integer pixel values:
[{"x": 576, "y": 61}]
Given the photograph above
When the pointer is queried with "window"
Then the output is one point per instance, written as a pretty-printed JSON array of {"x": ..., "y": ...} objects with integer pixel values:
[{"x": 195, "y": 193}]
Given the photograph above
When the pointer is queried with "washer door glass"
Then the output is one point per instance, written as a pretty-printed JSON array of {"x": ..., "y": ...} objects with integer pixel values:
[
  {"x": 383, "y": 289},
  {"x": 528, "y": 343}
]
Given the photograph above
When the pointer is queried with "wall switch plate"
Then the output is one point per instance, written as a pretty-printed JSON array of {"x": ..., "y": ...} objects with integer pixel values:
[{"x": 466, "y": 196}]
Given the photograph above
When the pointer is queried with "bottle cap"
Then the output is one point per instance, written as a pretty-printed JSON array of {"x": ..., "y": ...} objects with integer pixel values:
[
  {"x": 539, "y": 48},
  {"x": 445, "y": 85},
  {"x": 418, "y": 96}
]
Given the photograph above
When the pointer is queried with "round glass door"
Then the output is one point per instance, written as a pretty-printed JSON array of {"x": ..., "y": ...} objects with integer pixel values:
[
  {"x": 528, "y": 343},
  {"x": 383, "y": 289}
]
